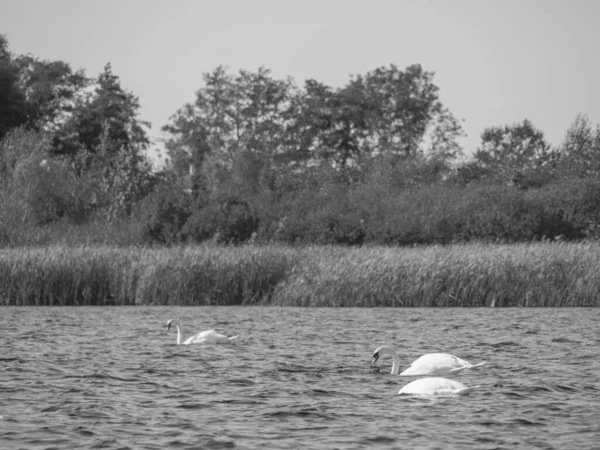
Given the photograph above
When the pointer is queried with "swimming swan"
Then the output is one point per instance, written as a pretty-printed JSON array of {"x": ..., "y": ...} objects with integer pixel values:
[
  {"x": 204, "y": 337},
  {"x": 435, "y": 386},
  {"x": 430, "y": 364}
]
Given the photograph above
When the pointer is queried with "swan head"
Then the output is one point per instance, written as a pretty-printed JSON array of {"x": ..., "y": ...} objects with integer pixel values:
[
  {"x": 170, "y": 323},
  {"x": 375, "y": 356},
  {"x": 385, "y": 350}
]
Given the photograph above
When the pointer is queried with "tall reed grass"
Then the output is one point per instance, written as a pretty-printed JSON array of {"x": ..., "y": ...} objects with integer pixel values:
[{"x": 541, "y": 274}]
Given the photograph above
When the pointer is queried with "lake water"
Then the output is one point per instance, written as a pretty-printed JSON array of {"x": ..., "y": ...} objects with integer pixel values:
[{"x": 109, "y": 377}]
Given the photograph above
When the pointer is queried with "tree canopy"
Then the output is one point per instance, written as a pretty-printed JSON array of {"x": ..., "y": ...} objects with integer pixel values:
[{"x": 256, "y": 158}]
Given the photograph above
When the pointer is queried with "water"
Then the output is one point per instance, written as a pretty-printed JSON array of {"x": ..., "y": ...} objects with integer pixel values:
[{"x": 298, "y": 378}]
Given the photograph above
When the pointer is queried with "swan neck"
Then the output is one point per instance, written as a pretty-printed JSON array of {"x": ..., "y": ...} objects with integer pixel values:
[
  {"x": 396, "y": 365},
  {"x": 396, "y": 359},
  {"x": 178, "y": 334}
]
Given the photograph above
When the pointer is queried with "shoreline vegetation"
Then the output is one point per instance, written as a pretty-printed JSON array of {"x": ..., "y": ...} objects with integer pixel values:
[
  {"x": 546, "y": 274},
  {"x": 278, "y": 193},
  {"x": 264, "y": 162}
]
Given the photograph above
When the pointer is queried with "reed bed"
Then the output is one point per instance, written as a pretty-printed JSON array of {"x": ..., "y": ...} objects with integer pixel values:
[{"x": 540, "y": 274}]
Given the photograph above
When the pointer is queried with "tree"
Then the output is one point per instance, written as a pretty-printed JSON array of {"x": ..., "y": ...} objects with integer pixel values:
[
  {"x": 107, "y": 110},
  {"x": 404, "y": 104},
  {"x": 312, "y": 109},
  {"x": 249, "y": 139},
  {"x": 13, "y": 109},
  {"x": 34, "y": 187},
  {"x": 50, "y": 89},
  {"x": 232, "y": 114},
  {"x": 508, "y": 153},
  {"x": 580, "y": 150},
  {"x": 386, "y": 111},
  {"x": 36, "y": 93},
  {"x": 105, "y": 141}
]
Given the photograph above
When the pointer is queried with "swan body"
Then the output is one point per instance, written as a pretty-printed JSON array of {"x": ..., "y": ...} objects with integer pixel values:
[
  {"x": 204, "y": 337},
  {"x": 435, "y": 386},
  {"x": 429, "y": 364}
]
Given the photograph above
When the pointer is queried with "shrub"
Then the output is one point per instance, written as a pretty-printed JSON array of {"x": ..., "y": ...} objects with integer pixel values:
[{"x": 163, "y": 214}]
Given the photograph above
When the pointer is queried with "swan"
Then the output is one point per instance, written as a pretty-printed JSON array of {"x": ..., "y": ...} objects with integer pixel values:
[
  {"x": 429, "y": 364},
  {"x": 204, "y": 337},
  {"x": 435, "y": 386}
]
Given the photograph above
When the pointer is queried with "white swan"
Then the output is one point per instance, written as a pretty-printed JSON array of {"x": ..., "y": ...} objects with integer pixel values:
[
  {"x": 430, "y": 364},
  {"x": 435, "y": 386},
  {"x": 204, "y": 337}
]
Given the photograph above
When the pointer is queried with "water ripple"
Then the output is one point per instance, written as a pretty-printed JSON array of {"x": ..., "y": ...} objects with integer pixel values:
[{"x": 109, "y": 378}]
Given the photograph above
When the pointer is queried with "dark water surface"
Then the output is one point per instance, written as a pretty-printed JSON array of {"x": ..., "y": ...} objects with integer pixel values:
[{"x": 298, "y": 378}]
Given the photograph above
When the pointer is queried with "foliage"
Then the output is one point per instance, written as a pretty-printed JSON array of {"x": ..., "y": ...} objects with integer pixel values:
[
  {"x": 107, "y": 113},
  {"x": 385, "y": 111},
  {"x": 123, "y": 178},
  {"x": 35, "y": 93},
  {"x": 105, "y": 143},
  {"x": 401, "y": 107},
  {"x": 13, "y": 109},
  {"x": 513, "y": 149},
  {"x": 94, "y": 163},
  {"x": 254, "y": 158},
  {"x": 249, "y": 140},
  {"x": 580, "y": 151},
  {"x": 51, "y": 89},
  {"x": 164, "y": 212},
  {"x": 228, "y": 221},
  {"x": 532, "y": 275},
  {"x": 36, "y": 188},
  {"x": 247, "y": 112}
]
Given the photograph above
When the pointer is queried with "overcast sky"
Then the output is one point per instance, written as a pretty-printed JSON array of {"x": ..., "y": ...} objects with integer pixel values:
[{"x": 496, "y": 61}]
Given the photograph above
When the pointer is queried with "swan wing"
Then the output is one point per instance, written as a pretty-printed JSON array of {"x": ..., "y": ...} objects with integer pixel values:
[
  {"x": 437, "y": 364},
  {"x": 209, "y": 337},
  {"x": 199, "y": 337},
  {"x": 469, "y": 366}
]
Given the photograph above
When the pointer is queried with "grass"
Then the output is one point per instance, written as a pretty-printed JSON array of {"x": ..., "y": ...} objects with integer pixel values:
[{"x": 540, "y": 274}]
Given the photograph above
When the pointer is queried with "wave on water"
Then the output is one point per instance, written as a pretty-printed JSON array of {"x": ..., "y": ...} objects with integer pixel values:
[{"x": 120, "y": 382}]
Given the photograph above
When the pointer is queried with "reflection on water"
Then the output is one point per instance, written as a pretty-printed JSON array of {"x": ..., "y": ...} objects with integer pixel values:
[{"x": 110, "y": 378}]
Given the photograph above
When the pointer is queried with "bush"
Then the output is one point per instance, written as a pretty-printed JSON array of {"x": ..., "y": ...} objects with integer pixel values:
[
  {"x": 163, "y": 214},
  {"x": 37, "y": 188},
  {"x": 227, "y": 221}
]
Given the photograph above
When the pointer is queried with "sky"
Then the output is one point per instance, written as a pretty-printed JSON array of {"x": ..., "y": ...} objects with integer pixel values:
[{"x": 496, "y": 62}]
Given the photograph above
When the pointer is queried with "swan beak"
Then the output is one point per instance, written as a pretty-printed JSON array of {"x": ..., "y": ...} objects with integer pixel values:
[
  {"x": 375, "y": 358},
  {"x": 168, "y": 327}
]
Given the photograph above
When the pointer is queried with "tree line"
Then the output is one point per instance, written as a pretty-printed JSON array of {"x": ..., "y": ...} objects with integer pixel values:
[{"x": 258, "y": 159}]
